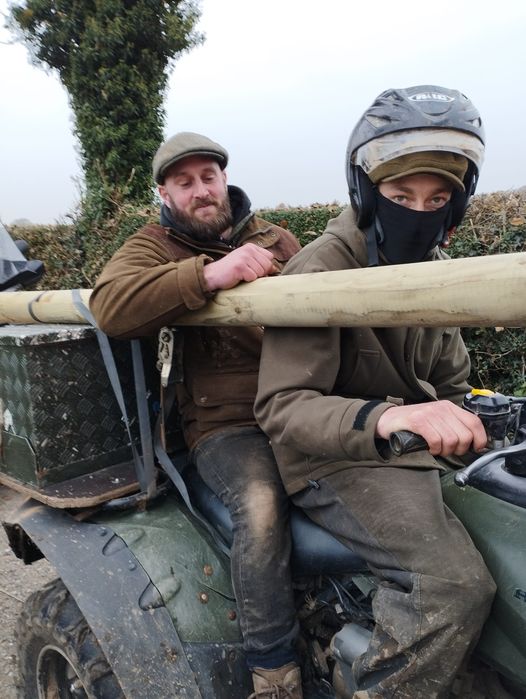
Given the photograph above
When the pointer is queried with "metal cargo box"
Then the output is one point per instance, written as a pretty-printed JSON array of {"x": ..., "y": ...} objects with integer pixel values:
[{"x": 59, "y": 416}]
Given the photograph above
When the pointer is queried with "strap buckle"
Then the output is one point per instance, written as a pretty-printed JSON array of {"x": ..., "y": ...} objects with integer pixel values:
[{"x": 165, "y": 353}]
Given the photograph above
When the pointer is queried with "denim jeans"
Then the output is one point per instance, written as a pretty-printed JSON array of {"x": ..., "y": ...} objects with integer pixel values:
[
  {"x": 435, "y": 591},
  {"x": 238, "y": 465}
]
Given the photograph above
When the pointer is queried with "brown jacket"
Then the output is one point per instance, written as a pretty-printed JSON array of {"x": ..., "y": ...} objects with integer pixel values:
[
  {"x": 322, "y": 390},
  {"x": 155, "y": 277}
]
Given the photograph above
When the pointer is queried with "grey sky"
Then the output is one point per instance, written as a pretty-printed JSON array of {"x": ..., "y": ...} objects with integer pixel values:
[{"x": 280, "y": 83}]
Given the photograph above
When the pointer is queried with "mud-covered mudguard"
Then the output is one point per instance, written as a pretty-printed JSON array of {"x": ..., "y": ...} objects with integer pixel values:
[{"x": 154, "y": 591}]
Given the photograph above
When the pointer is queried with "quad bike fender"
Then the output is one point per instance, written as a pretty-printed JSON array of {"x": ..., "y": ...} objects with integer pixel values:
[
  {"x": 497, "y": 529},
  {"x": 186, "y": 566},
  {"x": 122, "y": 603}
]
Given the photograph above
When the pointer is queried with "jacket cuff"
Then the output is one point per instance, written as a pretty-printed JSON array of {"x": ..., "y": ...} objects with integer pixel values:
[
  {"x": 191, "y": 282},
  {"x": 359, "y": 438}
]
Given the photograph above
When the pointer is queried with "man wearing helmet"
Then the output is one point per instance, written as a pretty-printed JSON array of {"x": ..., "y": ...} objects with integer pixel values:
[{"x": 330, "y": 397}]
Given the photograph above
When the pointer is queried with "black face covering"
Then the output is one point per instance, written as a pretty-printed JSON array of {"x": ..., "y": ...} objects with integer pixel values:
[{"x": 407, "y": 235}]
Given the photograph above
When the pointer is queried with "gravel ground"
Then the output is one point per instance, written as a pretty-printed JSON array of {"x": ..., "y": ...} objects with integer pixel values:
[{"x": 17, "y": 582}]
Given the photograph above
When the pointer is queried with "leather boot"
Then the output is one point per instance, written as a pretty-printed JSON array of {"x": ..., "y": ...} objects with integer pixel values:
[{"x": 281, "y": 683}]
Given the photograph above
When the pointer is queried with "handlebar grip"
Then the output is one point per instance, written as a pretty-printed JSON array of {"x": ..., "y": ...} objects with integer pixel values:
[{"x": 405, "y": 442}]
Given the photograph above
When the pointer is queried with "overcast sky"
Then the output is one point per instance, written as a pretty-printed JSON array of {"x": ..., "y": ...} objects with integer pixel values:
[{"x": 280, "y": 84}]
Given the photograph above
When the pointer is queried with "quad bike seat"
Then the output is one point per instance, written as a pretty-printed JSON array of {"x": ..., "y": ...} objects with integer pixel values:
[{"x": 314, "y": 550}]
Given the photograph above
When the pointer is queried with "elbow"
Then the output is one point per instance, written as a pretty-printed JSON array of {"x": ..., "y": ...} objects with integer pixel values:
[{"x": 110, "y": 317}]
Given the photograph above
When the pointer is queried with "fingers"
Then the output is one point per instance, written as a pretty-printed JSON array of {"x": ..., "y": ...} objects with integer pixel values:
[
  {"x": 254, "y": 262},
  {"x": 447, "y": 431},
  {"x": 244, "y": 264},
  {"x": 446, "y": 428}
]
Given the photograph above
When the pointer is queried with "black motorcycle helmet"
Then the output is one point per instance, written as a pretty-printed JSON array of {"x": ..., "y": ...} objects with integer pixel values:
[{"x": 416, "y": 119}]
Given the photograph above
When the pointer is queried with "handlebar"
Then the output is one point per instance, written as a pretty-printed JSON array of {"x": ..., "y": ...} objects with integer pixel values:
[
  {"x": 462, "y": 477},
  {"x": 499, "y": 413},
  {"x": 406, "y": 442},
  {"x": 500, "y": 416}
]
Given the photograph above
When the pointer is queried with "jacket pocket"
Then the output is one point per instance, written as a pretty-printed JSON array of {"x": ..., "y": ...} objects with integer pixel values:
[{"x": 224, "y": 389}]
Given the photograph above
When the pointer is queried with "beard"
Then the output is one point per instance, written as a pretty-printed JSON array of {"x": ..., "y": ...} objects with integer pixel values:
[{"x": 204, "y": 230}]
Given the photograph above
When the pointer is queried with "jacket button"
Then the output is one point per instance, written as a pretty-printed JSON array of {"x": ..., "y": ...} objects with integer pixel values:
[{"x": 203, "y": 399}]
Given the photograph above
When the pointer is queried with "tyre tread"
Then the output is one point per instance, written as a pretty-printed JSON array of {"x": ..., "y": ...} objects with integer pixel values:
[{"x": 51, "y": 615}]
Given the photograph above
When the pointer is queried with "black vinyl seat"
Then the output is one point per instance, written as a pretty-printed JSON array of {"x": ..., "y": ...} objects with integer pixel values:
[{"x": 314, "y": 550}]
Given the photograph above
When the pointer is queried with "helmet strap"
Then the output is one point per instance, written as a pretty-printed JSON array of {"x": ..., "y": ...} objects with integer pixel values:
[
  {"x": 371, "y": 237},
  {"x": 362, "y": 197},
  {"x": 443, "y": 240}
]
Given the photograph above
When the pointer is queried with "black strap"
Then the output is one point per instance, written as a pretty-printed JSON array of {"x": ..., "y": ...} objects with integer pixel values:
[{"x": 372, "y": 245}]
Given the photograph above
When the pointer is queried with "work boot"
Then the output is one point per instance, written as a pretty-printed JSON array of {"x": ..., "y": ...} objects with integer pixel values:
[{"x": 281, "y": 683}]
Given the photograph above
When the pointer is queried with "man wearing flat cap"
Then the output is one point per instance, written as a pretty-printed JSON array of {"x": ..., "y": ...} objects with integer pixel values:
[
  {"x": 329, "y": 398},
  {"x": 208, "y": 239}
]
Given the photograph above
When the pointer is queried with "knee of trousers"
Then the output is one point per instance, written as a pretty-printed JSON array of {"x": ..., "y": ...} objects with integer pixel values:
[
  {"x": 466, "y": 597},
  {"x": 482, "y": 590},
  {"x": 262, "y": 508}
]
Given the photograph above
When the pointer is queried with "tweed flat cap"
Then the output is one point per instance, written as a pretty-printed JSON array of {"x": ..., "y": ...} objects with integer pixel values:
[{"x": 184, "y": 145}]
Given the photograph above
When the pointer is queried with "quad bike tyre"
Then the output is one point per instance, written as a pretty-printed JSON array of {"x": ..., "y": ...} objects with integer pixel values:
[{"x": 59, "y": 656}]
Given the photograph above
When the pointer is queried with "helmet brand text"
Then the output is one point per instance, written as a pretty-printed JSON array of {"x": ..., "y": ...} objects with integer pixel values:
[{"x": 431, "y": 97}]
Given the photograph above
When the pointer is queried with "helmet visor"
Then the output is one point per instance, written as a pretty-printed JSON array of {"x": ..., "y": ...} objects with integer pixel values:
[{"x": 381, "y": 150}]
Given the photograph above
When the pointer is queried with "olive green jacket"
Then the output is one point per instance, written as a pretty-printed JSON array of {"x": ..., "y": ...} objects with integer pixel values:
[
  {"x": 322, "y": 390},
  {"x": 156, "y": 276}
]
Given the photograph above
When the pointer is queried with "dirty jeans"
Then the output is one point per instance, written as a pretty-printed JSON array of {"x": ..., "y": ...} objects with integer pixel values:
[
  {"x": 435, "y": 591},
  {"x": 238, "y": 465}
]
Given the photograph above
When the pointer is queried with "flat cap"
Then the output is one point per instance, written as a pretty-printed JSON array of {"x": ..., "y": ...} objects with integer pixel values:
[
  {"x": 184, "y": 145},
  {"x": 448, "y": 165}
]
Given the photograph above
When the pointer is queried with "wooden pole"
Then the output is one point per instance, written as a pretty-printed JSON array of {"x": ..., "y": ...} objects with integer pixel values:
[
  {"x": 476, "y": 291},
  {"x": 29, "y": 307}
]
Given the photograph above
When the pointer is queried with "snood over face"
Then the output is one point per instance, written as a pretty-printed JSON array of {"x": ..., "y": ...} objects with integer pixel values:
[{"x": 407, "y": 235}]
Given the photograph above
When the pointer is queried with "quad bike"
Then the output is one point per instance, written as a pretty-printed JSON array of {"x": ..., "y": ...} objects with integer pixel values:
[{"x": 143, "y": 606}]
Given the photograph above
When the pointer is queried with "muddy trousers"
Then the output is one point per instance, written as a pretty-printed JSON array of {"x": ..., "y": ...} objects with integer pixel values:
[
  {"x": 435, "y": 591},
  {"x": 239, "y": 466}
]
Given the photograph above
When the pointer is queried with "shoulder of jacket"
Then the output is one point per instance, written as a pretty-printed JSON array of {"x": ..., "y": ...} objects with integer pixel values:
[
  {"x": 270, "y": 235},
  {"x": 164, "y": 239},
  {"x": 344, "y": 223},
  {"x": 151, "y": 230},
  {"x": 344, "y": 228},
  {"x": 338, "y": 247},
  {"x": 260, "y": 226}
]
